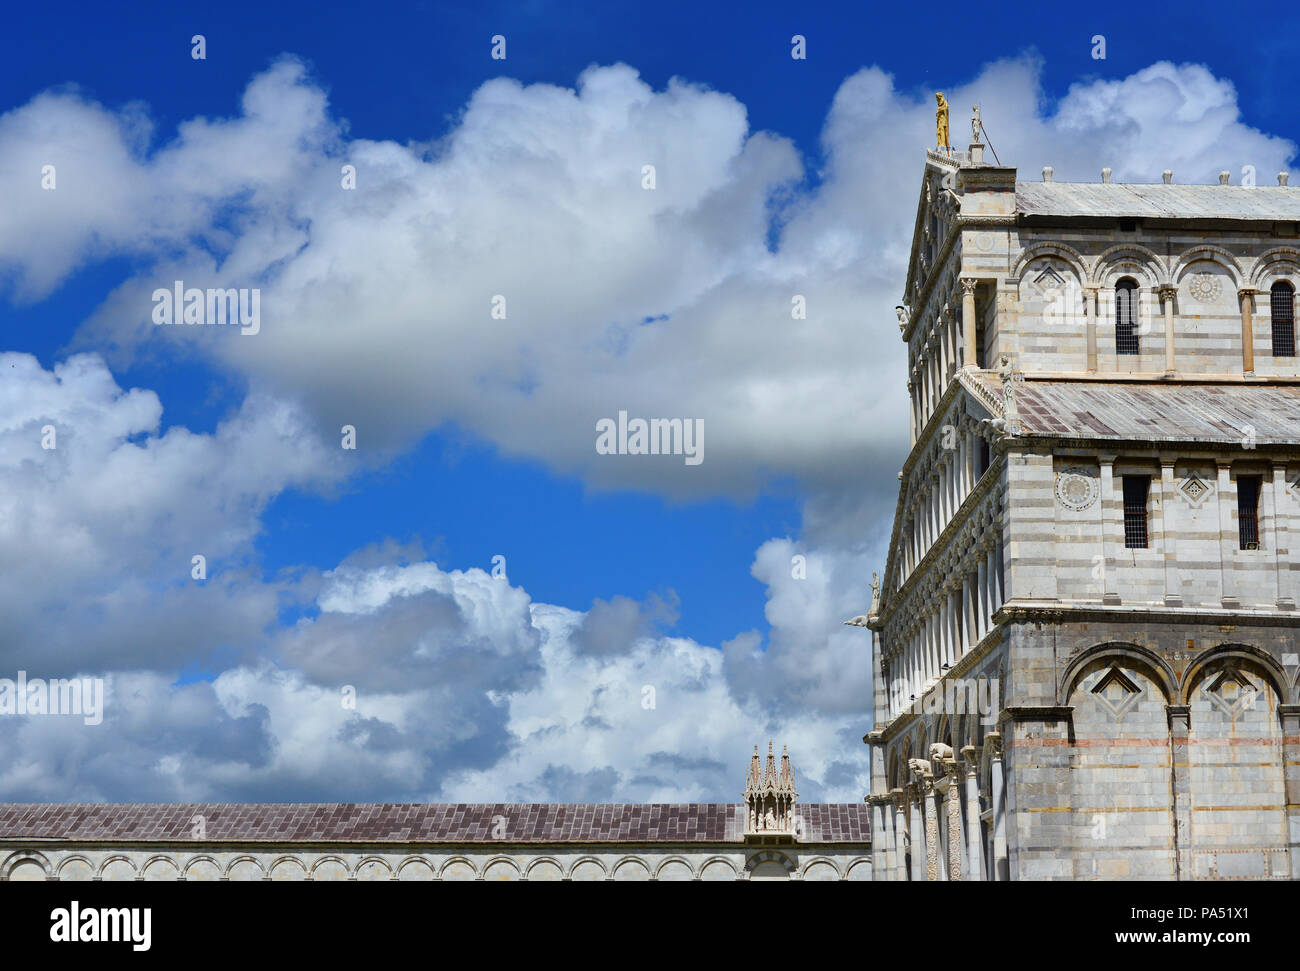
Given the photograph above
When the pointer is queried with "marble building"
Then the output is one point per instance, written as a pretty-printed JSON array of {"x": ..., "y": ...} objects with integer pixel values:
[
  {"x": 769, "y": 836},
  {"x": 1085, "y": 637}
]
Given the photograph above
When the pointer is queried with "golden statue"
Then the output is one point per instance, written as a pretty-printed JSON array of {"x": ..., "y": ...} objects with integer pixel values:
[{"x": 941, "y": 120}]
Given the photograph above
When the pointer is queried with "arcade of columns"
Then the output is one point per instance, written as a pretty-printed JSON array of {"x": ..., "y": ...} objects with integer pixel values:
[
  {"x": 932, "y": 829},
  {"x": 950, "y": 585}
]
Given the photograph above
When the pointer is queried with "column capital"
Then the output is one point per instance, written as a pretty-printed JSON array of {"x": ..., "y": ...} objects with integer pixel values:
[
  {"x": 993, "y": 741},
  {"x": 968, "y": 285},
  {"x": 1246, "y": 292},
  {"x": 1167, "y": 291},
  {"x": 1167, "y": 463},
  {"x": 1179, "y": 715},
  {"x": 970, "y": 755}
]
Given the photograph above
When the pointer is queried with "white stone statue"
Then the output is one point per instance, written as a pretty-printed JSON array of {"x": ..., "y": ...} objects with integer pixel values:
[
  {"x": 919, "y": 767},
  {"x": 940, "y": 751},
  {"x": 975, "y": 126}
]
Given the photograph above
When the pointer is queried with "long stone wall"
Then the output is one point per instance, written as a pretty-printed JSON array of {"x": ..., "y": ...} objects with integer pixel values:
[{"x": 297, "y": 862}]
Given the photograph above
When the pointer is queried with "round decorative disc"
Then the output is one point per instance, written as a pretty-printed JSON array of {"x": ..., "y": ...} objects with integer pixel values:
[{"x": 1076, "y": 489}]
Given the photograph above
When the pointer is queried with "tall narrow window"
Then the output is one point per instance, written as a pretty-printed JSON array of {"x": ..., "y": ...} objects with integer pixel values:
[
  {"x": 1126, "y": 311},
  {"x": 1282, "y": 306},
  {"x": 1135, "y": 511},
  {"x": 985, "y": 458},
  {"x": 1248, "y": 511}
]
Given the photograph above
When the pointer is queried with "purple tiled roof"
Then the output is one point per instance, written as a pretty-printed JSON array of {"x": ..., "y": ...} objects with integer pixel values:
[{"x": 415, "y": 822}]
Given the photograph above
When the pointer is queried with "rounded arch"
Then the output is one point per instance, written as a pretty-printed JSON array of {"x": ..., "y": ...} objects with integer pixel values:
[
  {"x": 19, "y": 857},
  {"x": 289, "y": 859},
  {"x": 388, "y": 867},
  {"x": 1212, "y": 254},
  {"x": 1047, "y": 250},
  {"x": 1209, "y": 658},
  {"x": 540, "y": 862},
  {"x": 161, "y": 858},
  {"x": 69, "y": 861},
  {"x": 573, "y": 867},
  {"x": 766, "y": 856},
  {"x": 813, "y": 861},
  {"x": 201, "y": 858},
  {"x": 116, "y": 858},
  {"x": 414, "y": 862},
  {"x": 630, "y": 860},
  {"x": 316, "y": 866},
  {"x": 1110, "y": 266},
  {"x": 502, "y": 862},
  {"x": 244, "y": 858},
  {"x": 942, "y": 734},
  {"x": 1156, "y": 666},
  {"x": 672, "y": 860},
  {"x": 1278, "y": 260},
  {"x": 452, "y": 861}
]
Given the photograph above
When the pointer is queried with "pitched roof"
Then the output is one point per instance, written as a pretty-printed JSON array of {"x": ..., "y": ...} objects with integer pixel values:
[
  {"x": 414, "y": 822},
  {"x": 1159, "y": 201},
  {"x": 1152, "y": 411}
]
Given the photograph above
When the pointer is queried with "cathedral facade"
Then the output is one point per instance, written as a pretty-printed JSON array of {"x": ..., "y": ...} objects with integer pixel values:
[{"x": 1085, "y": 637}]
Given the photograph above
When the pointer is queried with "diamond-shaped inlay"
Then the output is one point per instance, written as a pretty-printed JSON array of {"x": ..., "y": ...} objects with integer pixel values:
[
  {"x": 1194, "y": 489},
  {"x": 1049, "y": 279},
  {"x": 1117, "y": 692},
  {"x": 1232, "y": 692}
]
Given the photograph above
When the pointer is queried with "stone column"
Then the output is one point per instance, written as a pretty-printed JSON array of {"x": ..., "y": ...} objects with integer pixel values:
[
  {"x": 974, "y": 851},
  {"x": 995, "y": 598},
  {"x": 879, "y": 859},
  {"x": 1228, "y": 542},
  {"x": 1246, "y": 295},
  {"x": 968, "y": 323},
  {"x": 1000, "y": 870},
  {"x": 911, "y": 394},
  {"x": 1110, "y": 590},
  {"x": 1090, "y": 314},
  {"x": 1180, "y": 771},
  {"x": 982, "y": 594},
  {"x": 932, "y": 869},
  {"x": 1169, "y": 533},
  {"x": 952, "y": 586},
  {"x": 1167, "y": 294},
  {"x": 954, "y": 823},
  {"x": 1290, "y": 716},
  {"x": 900, "y": 835},
  {"x": 970, "y": 601},
  {"x": 1281, "y": 539},
  {"x": 949, "y": 642},
  {"x": 917, "y": 834}
]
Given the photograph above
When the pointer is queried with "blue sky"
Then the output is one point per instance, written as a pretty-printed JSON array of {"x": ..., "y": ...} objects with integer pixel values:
[{"x": 777, "y": 176}]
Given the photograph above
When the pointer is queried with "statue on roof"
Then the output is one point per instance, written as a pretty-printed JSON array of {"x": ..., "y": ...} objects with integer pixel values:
[
  {"x": 975, "y": 126},
  {"x": 941, "y": 120}
]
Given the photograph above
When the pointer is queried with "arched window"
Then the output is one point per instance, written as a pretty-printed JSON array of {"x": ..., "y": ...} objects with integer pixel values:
[
  {"x": 1126, "y": 312},
  {"x": 1282, "y": 307}
]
